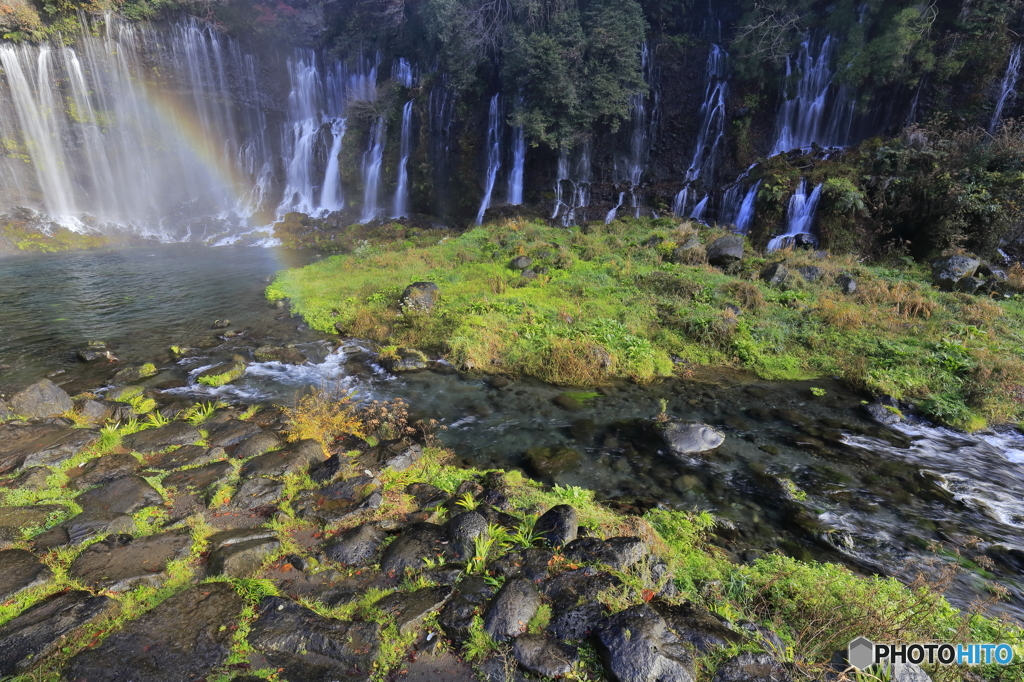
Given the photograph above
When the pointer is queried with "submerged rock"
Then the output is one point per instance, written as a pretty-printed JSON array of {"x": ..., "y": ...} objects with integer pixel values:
[
  {"x": 282, "y": 354},
  {"x": 552, "y": 461},
  {"x": 688, "y": 438},
  {"x": 130, "y": 375}
]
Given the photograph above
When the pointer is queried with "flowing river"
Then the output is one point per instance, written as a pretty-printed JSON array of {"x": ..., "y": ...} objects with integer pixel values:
[{"x": 812, "y": 476}]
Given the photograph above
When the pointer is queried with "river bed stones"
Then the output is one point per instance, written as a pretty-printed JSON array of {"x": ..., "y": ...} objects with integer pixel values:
[
  {"x": 456, "y": 617},
  {"x": 462, "y": 531},
  {"x": 203, "y": 480},
  {"x": 558, "y": 525},
  {"x": 102, "y": 470},
  {"x": 257, "y": 444},
  {"x": 636, "y": 645},
  {"x": 42, "y": 399},
  {"x": 420, "y": 542},
  {"x": 688, "y": 438},
  {"x": 223, "y": 374},
  {"x": 29, "y": 516},
  {"x": 340, "y": 500},
  {"x": 307, "y": 646},
  {"x": 751, "y": 667},
  {"x": 513, "y": 607},
  {"x": 295, "y": 458},
  {"x": 122, "y": 496},
  {"x": 283, "y": 354},
  {"x": 20, "y": 570},
  {"x": 35, "y": 632},
  {"x": 29, "y": 445},
  {"x": 182, "y": 639},
  {"x": 725, "y": 250},
  {"x": 356, "y": 546},
  {"x": 121, "y": 562},
  {"x": 256, "y": 493},
  {"x": 545, "y": 657},
  {"x": 239, "y": 553},
  {"x": 409, "y": 609},
  {"x": 232, "y": 433},
  {"x": 150, "y": 441}
]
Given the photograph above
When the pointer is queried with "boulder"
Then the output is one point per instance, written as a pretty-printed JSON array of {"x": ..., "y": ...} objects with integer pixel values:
[
  {"x": 462, "y": 531},
  {"x": 37, "y": 631},
  {"x": 340, "y": 500},
  {"x": 27, "y": 445},
  {"x": 846, "y": 284},
  {"x": 811, "y": 273},
  {"x": 557, "y": 525},
  {"x": 406, "y": 360},
  {"x": 688, "y": 438},
  {"x": 201, "y": 480},
  {"x": 355, "y": 547},
  {"x": 29, "y": 516},
  {"x": 619, "y": 553},
  {"x": 283, "y": 354},
  {"x": 636, "y": 645},
  {"x": 697, "y": 625},
  {"x": 189, "y": 455},
  {"x": 149, "y": 441},
  {"x": 521, "y": 263},
  {"x": 544, "y": 657},
  {"x": 533, "y": 564},
  {"x": 120, "y": 562},
  {"x": 726, "y": 250},
  {"x": 96, "y": 350},
  {"x": 33, "y": 478},
  {"x": 576, "y": 623},
  {"x": 409, "y": 609},
  {"x": 511, "y": 610},
  {"x": 241, "y": 560},
  {"x": 427, "y": 496},
  {"x": 776, "y": 273},
  {"x": 306, "y": 646},
  {"x": 184, "y": 638},
  {"x": 40, "y": 400},
  {"x": 884, "y": 410},
  {"x": 457, "y": 615},
  {"x": 949, "y": 270},
  {"x": 578, "y": 586},
  {"x": 404, "y": 458},
  {"x": 123, "y": 496},
  {"x": 255, "y": 493},
  {"x": 419, "y": 543},
  {"x": 20, "y": 570},
  {"x": 257, "y": 444},
  {"x": 750, "y": 667},
  {"x": 80, "y": 528},
  {"x": 231, "y": 432},
  {"x": 295, "y": 458},
  {"x": 420, "y": 296},
  {"x": 6, "y": 413},
  {"x": 223, "y": 374},
  {"x": 129, "y": 375},
  {"x": 102, "y": 470}
]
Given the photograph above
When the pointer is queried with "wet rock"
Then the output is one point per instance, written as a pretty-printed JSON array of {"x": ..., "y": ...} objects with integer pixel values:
[
  {"x": 130, "y": 375},
  {"x": 258, "y": 444},
  {"x": 20, "y": 570},
  {"x": 96, "y": 350},
  {"x": 500, "y": 667},
  {"x": 971, "y": 285},
  {"x": 578, "y": 586},
  {"x": 636, "y": 645},
  {"x": 29, "y": 516},
  {"x": 40, "y": 445},
  {"x": 404, "y": 459},
  {"x": 457, "y": 615},
  {"x": 237, "y": 536},
  {"x": 750, "y": 667},
  {"x": 295, "y": 458},
  {"x": 533, "y": 564},
  {"x": 120, "y": 562},
  {"x": 726, "y": 250},
  {"x": 241, "y": 560},
  {"x": 200, "y": 480},
  {"x": 355, "y": 547},
  {"x": 768, "y": 639},
  {"x": 884, "y": 411},
  {"x": 521, "y": 263},
  {"x": 340, "y": 500},
  {"x": 548, "y": 462},
  {"x": 232, "y": 433},
  {"x": 220, "y": 324},
  {"x": 947, "y": 271},
  {"x": 558, "y": 525},
  {"x": 462, "y": 530},
  {"x": 427, "y": 496},
  {"x": 419, "y": 542},
  {"x": 102, "y": 470},
  {"x": 255, "y": 493},
  {"x": 410, "y": 609},
  {"x": 511, "y": 610},
  {"x": 576, "y": 623},
  {"x": 189, "y": 455},
  {"x": 545, "y": 657},
  {"x": 42, "y": 399},
  {"x": 85, "y": 526},
  {"x": 776, "y": 273},
  {"x": 697, "y": 625},
  {"x": 123, "y": 496},
  {"x": 6, "y": 413},
  {"x": 33, "y": 478},
  {"x": 619, "y": 553},
  {"x": 223, "y": 374},
  {"x": 406, "y": 360},
  {"x": 182, "y": 639},
  {"x": 35, "y": 633},
  {"x": 811, "y": 273},
  {"x": 311, "y": 647},
  {"x": 688, "y": 438},
  {"x": 846, "y": 284},
  {"x": 282, "y": 354},
  {"x": 420, "y": 296},
  {"x": 149, "y": 441},
  {"x": 94, "y": 411},
  {"x": 324, "y": 471},
  {"x": 124, "y": 394}
]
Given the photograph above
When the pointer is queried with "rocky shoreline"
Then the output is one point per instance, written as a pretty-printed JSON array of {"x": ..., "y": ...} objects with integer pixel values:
[{"x": 209, "y": 546}]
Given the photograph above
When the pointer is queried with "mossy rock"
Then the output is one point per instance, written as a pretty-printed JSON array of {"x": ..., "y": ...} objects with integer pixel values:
[
  {"x": 135, "y": 373},
  {"x": 223, "y": 374},
  {"x": 124, "y": 394}
]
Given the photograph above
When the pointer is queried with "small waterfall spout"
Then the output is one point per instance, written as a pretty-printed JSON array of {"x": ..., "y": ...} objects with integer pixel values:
[
  {"x": 1006, "y": 90},
  {"x": 332, "y": 199},
  {"x": 572, "y": 188},
  {"x": 799, "y": 217},
  {"x": 515, "y": 178},
  {"x": 745, "y": 217},
  {"x": 402, "y": 188},
  {"x": 644, "y": 109},
  {"x": 808, "y": 118},
  {"x": 700, "y": 208},
  {"x": 712, "y": 117},
  {"x": 493, "y": 155},
  {"x": 615, "y": 211},
  {"x": 372, "y": 160}
]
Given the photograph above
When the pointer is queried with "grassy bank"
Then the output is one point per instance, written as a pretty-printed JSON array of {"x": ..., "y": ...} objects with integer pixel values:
[{"x": 617, "y": 302}]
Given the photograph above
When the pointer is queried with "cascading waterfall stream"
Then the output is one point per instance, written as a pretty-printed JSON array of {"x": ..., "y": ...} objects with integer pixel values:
[
  {"x": 493, "y": 155},
  {"x": 373, "y": 159},
  {"x": 799, "y": 216},
  {"x": 745, "y": 216},
  {"x": 401, "y": 207},
  {"x": 572, "y": 186},
  {"x": 331, "y": 198},
  {"x": 305, "y": 104},
  {"x": 515, "y": 178},
  {"x": 811, "y": 116},
  {"x": 1007, "y": 89},
  {"x": 710, "y": 134}
]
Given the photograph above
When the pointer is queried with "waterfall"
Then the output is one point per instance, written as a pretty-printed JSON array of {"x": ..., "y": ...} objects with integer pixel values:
[
  {"x": 402, "y": 73},
  {"x": 576, "y": 178},
  {"x": 515, "y": 178},
  {"x": 493, "y": 155},
  {"x": 442, "y": 115},
  {"x": 372, "y": 161},
  {"x": 402, "y": 187},
  {"x": 799, "y": 216},
  {"x": 302, "y": 134},
  {"x": 332, "y": 199},
  {"x": 644, "y": 109},
  {"x": 698, "y": 210},
  {"x": 614, "y": 212},
  {"x": 712, "y": 117},
  {"x": 807, "y": 118},
  {"x": 563, "y": 175},
  {"x": 1006, "y": 90},
  {"x": 745, "y": 216}
]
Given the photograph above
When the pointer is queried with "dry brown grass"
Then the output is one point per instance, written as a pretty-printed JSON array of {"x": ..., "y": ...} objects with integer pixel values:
[
  {"x": 906, "y": 299},
  {"x": 577, "y": 363},
  {"x": 748, "y": 296},
  {"x": 841, "y": 313}
]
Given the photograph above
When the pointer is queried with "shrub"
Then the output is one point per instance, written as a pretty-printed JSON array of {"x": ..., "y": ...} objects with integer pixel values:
[{"x": 323, "y": 416}]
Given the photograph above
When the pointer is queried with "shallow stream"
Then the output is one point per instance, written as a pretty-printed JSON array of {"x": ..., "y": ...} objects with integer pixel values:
[{"x": 810, "y": 475}]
